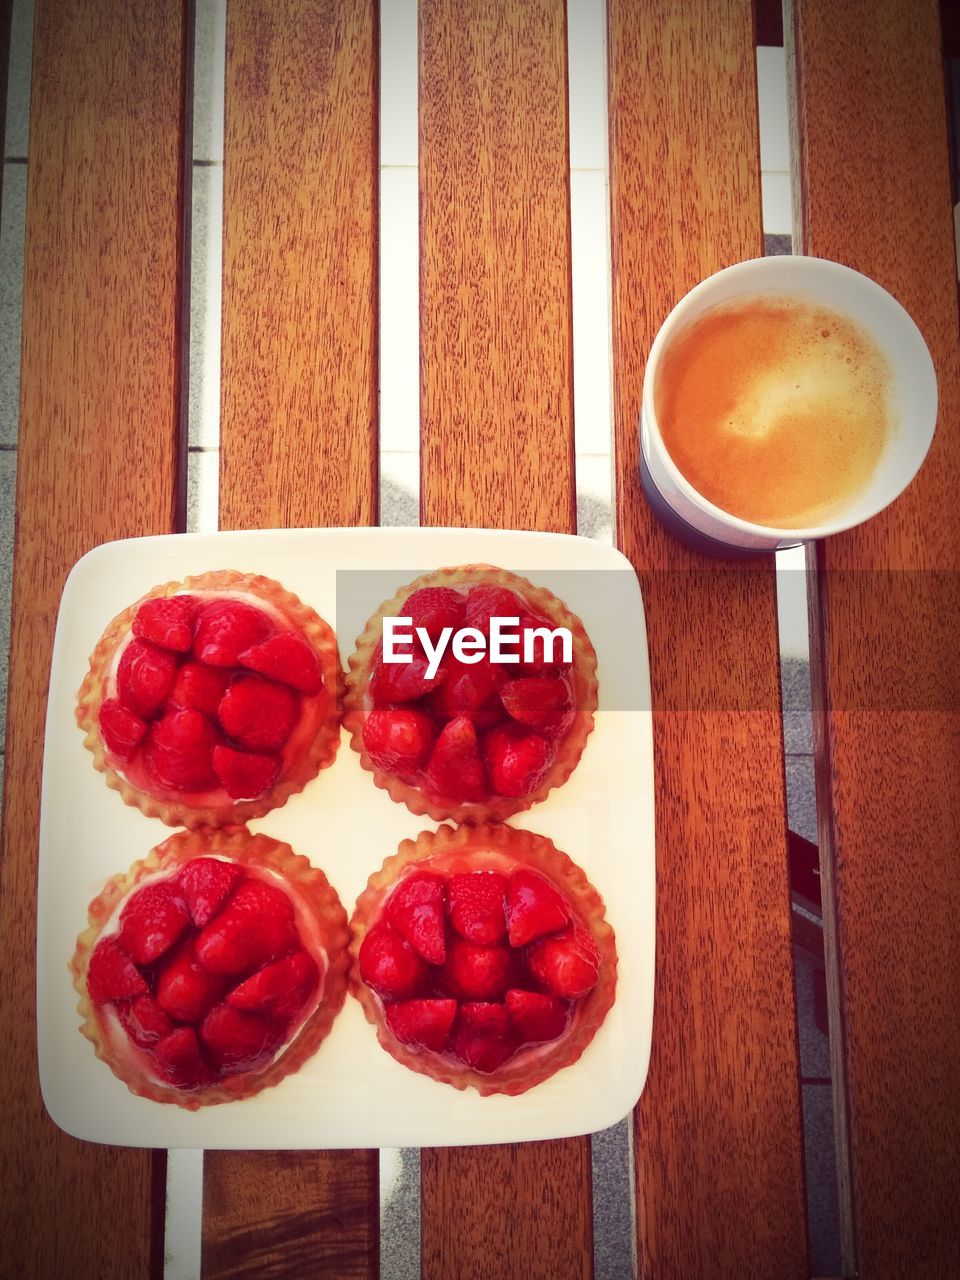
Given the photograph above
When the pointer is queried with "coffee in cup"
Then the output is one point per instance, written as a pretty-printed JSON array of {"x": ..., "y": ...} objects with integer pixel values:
[
  {"x": 784, "y": 398},
  {"x": 775, "y": 408}
]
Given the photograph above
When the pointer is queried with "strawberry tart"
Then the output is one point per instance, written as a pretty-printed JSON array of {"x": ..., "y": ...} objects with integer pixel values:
[
  {"x": 473, "y": 741},
  {"x": 212, "y": 969},
  {"x": 483, "y": 958},
  {"x": 212, "y": 700}
]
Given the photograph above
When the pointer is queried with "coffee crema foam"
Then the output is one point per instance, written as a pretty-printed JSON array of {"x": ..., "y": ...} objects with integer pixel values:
[{"x": 775, "y": 409}]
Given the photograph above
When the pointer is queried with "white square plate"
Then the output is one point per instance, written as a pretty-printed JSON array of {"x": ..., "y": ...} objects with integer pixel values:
[{"x": 351, "y": 1093}]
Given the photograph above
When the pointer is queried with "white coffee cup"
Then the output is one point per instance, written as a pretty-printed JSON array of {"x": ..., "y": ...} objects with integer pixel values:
[{"x": 699, "y": 522}]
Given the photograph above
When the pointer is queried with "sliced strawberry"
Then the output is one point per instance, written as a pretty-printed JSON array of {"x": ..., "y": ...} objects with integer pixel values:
[
  {"x": 517, "y": 761},
  {"x": 490, "y": 1018},
  {"x": 122, "y": 729},
  {"x": 258, "y": 714},
  {"x": 237, "y": 1041},
  {"x": 475, "y": 972},
  {"x": 180, "y": 1062},
  {"x": 288, "y": 658},
  {"x": 401, "y": 681},
  {"x": 111, "y": 974},
  {"x": 470, "y": 690},
  {"x": 483, "y": 1038},
  {"x": 536, "y": 1017},
  {"x": 205, "y": 884},
  {"x": 425, "y": 1023},
  {"x": 152, "y": 921},
  {"x": 486, "y": 602},
  {"x": 178, "y": 751},
  {"x": 415, "y": 909},
  {"x": 227, "y": 628},
  {"x": 544, "y": 704},
  {"x": 256, "y": 925},
  {"x": 434, "y": 608},
  {"x": 475, "y": 901},
  {"x": 280, "y": 990},
  {"x": 456, "y": 769},
  {"x": 145, "y": 676},
  {"x": 534, "y": 907},
  {"x": 567, "y": 964},
  {"x": 390, "y": 965},
  {"x": 245, "y": 774},
  {"x": 184, "y": 990},
  {"x": 547, "y": 650},
  {"x": 200, "y": 687},
  {"x": 167, "y": 621},
  {"x": 144, "y": 1021},
  {"x": 398, "y": 739}
]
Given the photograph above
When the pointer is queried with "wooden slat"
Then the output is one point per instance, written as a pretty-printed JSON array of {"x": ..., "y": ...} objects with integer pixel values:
[
  {"x": 299, "y": 400},
  {"x": 496, "y": 429},
  {"x": 873, "y": 176},
  {"x": 718, "y": 1148},
  {"x": 298, "y": 447},
  {"x": 99, "y": 410},
  {"x": 495, "y": 331},
  {"x": 290, "y": 1214}
]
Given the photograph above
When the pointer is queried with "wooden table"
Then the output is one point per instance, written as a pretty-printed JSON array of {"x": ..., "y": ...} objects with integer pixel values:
[{"x": 719, "y": 1173}]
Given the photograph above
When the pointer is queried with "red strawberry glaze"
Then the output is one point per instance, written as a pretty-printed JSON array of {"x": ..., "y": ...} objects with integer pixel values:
[
  {"x": 216, "y": 738},
  {"x": 474, "y": 1013},
  {"x": 503, "y": 734},
  {"x": 247, "y": 967}
]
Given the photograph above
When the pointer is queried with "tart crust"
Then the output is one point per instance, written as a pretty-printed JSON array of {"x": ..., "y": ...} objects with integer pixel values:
[
  {"x": 312, "y": 889},
  {"x": 481, "y": 848},
  {"x": 582, "y": 675},
  {"x": 316, "y": 734}
]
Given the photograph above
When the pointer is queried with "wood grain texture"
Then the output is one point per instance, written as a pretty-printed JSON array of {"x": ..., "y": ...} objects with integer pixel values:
[
  {"x": 291, "y": 1214},
  {"x": 496, "y": 346},
  {"x": 299, "y": 355},
  {"x": 875, "y": 193},
  {"x": 497, "y": 450},
  {"x": 298, "y": 447},
  {"x": 717, "y": 1136},
  {"x": 99, "y": 407}
]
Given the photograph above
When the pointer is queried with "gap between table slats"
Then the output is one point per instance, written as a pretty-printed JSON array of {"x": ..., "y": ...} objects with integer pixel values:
[
  {"x": 718, "y": 1137},
  {"x": 6, "y": 22},
  {"x": 100, "y": 408},
  {"x": 875, "y": 193},
  {"x": 298, "y": 448},
  {"x": 497, "y": 449}
]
